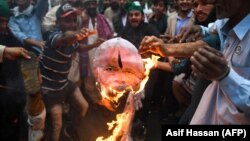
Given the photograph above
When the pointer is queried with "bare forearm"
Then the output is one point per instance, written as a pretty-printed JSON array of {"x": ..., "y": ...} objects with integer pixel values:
[
  {"x": 91, "y": 46},
  {"x": 183, "y": 49},
  {"x": 67, "y": 39},
  {"x": 163, "y": 66},
  {"x": 32, "y": 42},
  {"x": 84, "y": 48}
]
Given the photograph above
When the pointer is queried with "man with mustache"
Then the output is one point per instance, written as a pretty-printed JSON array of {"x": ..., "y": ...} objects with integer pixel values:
[{"x": 225, "y": 101}]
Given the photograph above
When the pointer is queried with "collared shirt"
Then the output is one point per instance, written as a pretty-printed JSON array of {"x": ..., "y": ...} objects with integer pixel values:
[
  {"x": 27, "y": 24},
  {"x": 182, "y": 22},
  {"x": 228, "y": 101},
  {"x": 214, "y": 27}
]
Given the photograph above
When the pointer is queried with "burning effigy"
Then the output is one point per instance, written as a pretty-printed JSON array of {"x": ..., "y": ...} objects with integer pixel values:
[{"x": 119, "y": 69}]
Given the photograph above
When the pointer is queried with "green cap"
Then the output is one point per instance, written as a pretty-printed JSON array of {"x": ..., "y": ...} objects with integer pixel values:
[
  {"x": 4, "y": 8},
  {"x": 133, "y": 6}
]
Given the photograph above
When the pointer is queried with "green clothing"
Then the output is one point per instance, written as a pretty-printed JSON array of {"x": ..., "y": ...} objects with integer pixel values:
[{"x": 4, "y": 8}]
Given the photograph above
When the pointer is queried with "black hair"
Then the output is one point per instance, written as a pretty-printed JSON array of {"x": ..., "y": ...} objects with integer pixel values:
[
  {"x": 157, "y": 1},
  {"x": 78, "y": 3}
]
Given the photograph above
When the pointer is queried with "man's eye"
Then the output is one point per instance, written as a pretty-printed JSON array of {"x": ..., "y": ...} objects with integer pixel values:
[{"x": 109, "y": 69}]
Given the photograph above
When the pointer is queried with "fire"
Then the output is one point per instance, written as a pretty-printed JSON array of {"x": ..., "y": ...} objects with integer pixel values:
[
  {"x": 117, "y": 127},
  {"x": 116, "y": 97},
  {"x": 120, "y": 126},
  {"x": 149, "y": 63}
]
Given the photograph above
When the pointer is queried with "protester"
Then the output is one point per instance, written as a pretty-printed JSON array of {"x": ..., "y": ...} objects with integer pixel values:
[
  {"x": 55, "y": 64},
  {"x": 227, "y": 70}
]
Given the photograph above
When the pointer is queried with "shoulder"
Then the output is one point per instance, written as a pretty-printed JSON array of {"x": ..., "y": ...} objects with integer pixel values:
[
  {"x": 173, "y": 16},
  {"x": 107, "y": 11},
  {"x": 52, "y": 34}
]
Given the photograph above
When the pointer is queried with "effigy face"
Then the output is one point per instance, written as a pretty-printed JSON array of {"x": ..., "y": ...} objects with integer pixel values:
[{"x": 117, "y": 66}]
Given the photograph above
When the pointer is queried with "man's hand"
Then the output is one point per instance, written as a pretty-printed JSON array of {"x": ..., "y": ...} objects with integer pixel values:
[
  {"x": 152, "y": 44},
  {"x": 189, "y": 34},
  {"x": 12, "y": 53},
  {"x": 98, "y": 42},
  {"x": 40, "y": 44},
  {"x": 84, "y": 33},
  {"x": 138, "y": 100},
  {"x": 209, "y": 63},
  {"x": 32, "y": 42}
]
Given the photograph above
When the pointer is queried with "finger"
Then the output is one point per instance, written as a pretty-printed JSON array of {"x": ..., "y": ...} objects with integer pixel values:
[
  {"x": 26, "y": 56},
  {"x": 24, "y": 53},
  {"x": 165, "y": 36},
  {"x": 144, "y": 48},
  {"x": 197, "y": 71},
  {"x": 148, "y": 39},
  {"x": 197, "y": 35},
  {"x": 212, "y": 55},
  {"x": 149, "y": 48},
  {"x": 206, "y": 66},
  {"x": 144, "y": 40},
  {"x": 198, "y": 62},
  {"x": 180, "y": 35},
  {"x": 210, "y": 49},
  {"x": 171, "y": 40},
  {"x": 185, "y": 35},
  {"x": 195, "y": 67},
  {"x": 216, "y": 61}
]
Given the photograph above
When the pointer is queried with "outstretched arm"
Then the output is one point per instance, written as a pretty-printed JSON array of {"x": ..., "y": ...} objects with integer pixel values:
[
  {"x": 97, "y": 43},
  {"x": 155, "y": 45},
  {"x": 12, "y": 53},
  {"x": 70, "y": 37}
]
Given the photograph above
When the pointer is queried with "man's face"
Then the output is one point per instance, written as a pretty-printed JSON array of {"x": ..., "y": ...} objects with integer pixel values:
[
  {"x": 227, "y": 8},
  {"x": 91, "y": 8},
  {"x": 114, "y": 4},
  {"x": 185, "y": 5},
  {"x": 202, "y": 9},
  {"x": 117, "y": 65},
  {"x": 68, "y": 23},
  {"x": 159, "y": 8},
  {"x": 135, "y": 18}
]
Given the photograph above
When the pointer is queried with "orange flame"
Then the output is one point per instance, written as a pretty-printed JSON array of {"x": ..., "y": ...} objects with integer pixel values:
[
  {"x": 117, "y": 126},
  {"x": 121, "y": 119},
  {"x": 113, "y": 99},
  {"x": 149, "y": 64}
]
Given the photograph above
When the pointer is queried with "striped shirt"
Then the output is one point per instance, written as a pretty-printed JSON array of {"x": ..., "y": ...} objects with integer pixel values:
[{"x": 56, "y": 63}]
